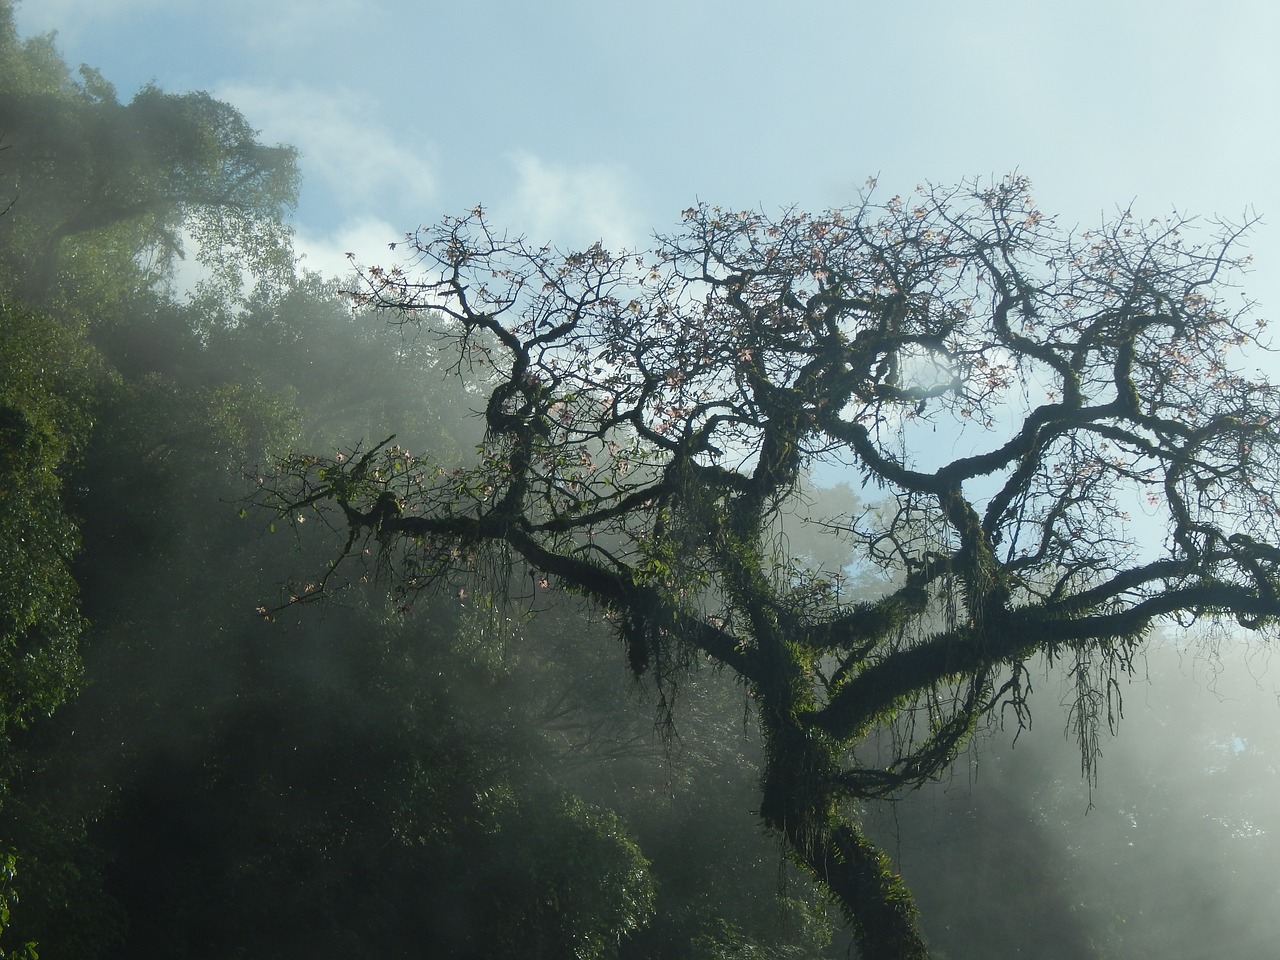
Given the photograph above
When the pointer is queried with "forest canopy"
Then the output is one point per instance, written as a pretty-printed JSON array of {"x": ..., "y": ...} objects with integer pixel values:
[{"x": 91, "y": 182}]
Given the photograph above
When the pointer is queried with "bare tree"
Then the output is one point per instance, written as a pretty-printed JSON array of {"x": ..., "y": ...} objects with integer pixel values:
[{"x": 1055, "y": 422}]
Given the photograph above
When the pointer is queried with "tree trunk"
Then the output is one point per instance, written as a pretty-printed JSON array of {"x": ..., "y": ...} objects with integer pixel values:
[
  {"x": 876, "y": 903},
  {"x": 798, "y": 802}
]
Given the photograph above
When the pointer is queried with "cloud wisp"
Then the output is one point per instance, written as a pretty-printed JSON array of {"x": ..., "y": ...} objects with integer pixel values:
[
  {"x": 363, "y": 166},
  {"x": 571, "y": 206}
]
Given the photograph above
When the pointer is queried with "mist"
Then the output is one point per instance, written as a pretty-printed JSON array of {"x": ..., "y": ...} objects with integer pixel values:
[
  {"x": 227, "y": 732},
  {"x": 1169, "y": 852}
]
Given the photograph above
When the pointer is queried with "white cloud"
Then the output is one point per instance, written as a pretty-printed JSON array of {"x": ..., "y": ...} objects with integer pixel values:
[
  {"x": 366, "y": 237},
  {"x": 347, "y": 152},
  {"x": 75, "y": 18},
  {"x": 571, "y": 206}
]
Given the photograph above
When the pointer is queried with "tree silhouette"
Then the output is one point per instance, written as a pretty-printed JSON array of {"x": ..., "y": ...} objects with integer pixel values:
[{"x": 1064, "y": 449}]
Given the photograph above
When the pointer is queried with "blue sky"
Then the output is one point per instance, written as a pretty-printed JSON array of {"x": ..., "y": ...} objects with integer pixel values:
[{"x": 573, "y": 121}]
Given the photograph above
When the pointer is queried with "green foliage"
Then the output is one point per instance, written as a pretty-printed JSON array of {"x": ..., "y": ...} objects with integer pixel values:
[
  {"x": 599, "y": 891},
  {"x": 8, "y": 871},
  {"x": 307, "y": 338},
  {"x": 106, "y": 193},
  {"x": 32, "y": 64},
  {"x": 554, "y": 877},
  {"x": 727, "y": 941},
  {"x": 46, "y": 375},
  {"x": 380, "y": 792}
]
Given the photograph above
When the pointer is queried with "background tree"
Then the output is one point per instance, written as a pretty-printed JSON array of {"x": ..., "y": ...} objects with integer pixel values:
[
  {"x": 48, "y": 378},
  {"x": 1104, "y": 467},
  {"x": 101, "y": 188}
]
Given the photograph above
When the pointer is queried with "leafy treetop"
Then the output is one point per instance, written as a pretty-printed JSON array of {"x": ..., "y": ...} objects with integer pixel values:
[{"x": 82, "y": 166}]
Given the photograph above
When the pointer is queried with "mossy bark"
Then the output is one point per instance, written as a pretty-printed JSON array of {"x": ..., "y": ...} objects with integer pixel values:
[{"x": 798, "y": 802}]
